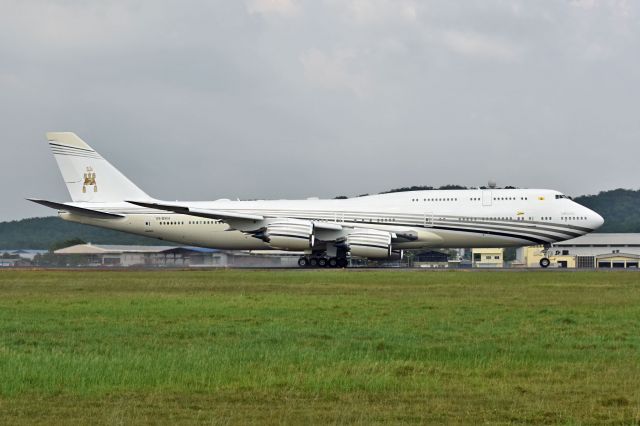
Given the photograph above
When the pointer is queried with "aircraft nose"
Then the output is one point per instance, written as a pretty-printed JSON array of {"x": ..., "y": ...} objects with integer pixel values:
[{"x": 595, "y": 220}]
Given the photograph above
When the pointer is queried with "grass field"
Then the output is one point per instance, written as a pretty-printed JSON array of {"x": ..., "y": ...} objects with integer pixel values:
[{"x": 266, "y": 347}]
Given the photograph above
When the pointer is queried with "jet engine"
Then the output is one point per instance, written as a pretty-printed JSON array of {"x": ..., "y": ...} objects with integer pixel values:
[
  {"x": 287, "y": 234},
  {"x": 369, "y": 243}
]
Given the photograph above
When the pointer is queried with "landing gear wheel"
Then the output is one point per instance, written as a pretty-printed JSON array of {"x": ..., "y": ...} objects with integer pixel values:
[
  {"x": 333, "y": 262},
  {"x": 313, "y": 262},
  {"x": 544, "y": 262},
  {"x": 342, "y": 262},
  {"x": 303, "y": 262},
  {"x": 322, "y": 262}
]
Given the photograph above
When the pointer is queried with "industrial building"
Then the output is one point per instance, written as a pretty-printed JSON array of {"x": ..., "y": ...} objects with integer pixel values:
[
  {"x": 603, "y": 251},
  {"x": 487, "y": 257},
  {"x": 13, "y": 262},
  {"x": 435, "y": 259},
  {"x": 10, "y": 258}
]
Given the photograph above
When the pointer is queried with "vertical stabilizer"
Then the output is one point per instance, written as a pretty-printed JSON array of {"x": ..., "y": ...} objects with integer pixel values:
[{"x": 88, "y": 176}]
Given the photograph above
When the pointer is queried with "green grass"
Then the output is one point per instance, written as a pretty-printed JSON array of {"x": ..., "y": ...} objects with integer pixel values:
[{"x": 231, "y": 347}]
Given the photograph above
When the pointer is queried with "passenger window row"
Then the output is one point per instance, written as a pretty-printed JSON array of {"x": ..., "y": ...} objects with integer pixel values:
[
  {"x": 191, "y": 222},
  {"x": 434, "y": 199},
  {"x": 471, "y": 219},
  {"x": 470, "y": 199}
]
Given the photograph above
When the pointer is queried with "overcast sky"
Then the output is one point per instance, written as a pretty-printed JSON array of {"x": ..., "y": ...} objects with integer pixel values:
[{"x": 291, "y": 99}]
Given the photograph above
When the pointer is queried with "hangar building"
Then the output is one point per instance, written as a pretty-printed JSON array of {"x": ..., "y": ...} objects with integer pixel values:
[
  {"x": 172, "y": 256},
  {"x": 588, "y": 251}
]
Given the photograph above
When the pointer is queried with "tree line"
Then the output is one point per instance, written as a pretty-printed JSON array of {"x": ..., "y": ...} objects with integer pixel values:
[{"x": 44, "y": 233}]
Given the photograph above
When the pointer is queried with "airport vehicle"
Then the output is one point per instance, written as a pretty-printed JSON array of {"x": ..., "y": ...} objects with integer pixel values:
[{"x": 326, "y": 231}]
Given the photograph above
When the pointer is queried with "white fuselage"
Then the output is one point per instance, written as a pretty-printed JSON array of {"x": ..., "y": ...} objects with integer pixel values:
[{"x": 440, "y": 218}]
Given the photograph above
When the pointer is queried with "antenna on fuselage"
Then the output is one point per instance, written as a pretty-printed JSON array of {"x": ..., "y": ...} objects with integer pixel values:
[{"x": 492, "y": 184}]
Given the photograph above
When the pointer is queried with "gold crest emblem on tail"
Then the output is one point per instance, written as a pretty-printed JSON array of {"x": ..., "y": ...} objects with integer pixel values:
[{"x": 89, "y": 180}]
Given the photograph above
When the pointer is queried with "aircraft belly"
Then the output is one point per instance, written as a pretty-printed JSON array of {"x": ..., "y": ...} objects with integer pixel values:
[{"x": 457, "y": 239}]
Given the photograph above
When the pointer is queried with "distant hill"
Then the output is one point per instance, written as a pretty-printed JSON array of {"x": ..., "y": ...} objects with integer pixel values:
[
  {"x": 45, "y": 232},
  {"x": 619, "y": 207}
]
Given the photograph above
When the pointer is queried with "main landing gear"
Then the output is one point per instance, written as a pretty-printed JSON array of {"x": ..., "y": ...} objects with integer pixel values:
[{"x": 322, "y": 262}]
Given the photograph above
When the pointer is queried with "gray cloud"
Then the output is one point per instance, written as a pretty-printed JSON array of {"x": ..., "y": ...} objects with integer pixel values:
[{"x": 285, "y": 98}]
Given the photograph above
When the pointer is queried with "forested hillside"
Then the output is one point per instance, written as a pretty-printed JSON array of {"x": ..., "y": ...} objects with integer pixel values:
[
  {"x": 44, "y": 232},
  {"x": 619, "y": 207}
]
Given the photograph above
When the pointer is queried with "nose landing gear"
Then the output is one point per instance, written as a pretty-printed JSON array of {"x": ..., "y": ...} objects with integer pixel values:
[{"x": 545, "y": 262}]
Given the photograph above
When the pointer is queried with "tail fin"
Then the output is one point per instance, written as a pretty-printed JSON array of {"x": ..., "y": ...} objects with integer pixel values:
[{"x": 88, "y": 176}]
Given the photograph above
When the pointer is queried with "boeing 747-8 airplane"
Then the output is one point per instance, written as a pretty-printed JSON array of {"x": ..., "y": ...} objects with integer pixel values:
[{"x": 327, "y": 231}]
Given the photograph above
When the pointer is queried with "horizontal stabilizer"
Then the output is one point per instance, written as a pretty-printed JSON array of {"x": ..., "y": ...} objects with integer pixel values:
[
  {"x": 211, "y": 214},
  {"x": 77, "y": 210}
]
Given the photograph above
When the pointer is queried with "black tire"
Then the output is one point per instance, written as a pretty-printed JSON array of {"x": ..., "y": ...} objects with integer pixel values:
[
  {"x": 545, "y": 262},
  {"x": 313, "y": 262},
  {"x": 342, "y": 262},
  {"x": 303, "y": 262},
  {"x": 322, "y": 262},
  {"x": 333, "y": 262}
]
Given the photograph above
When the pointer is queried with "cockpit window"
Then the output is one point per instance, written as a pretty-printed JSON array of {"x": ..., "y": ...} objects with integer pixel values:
[{"x": 559, "y": 196}]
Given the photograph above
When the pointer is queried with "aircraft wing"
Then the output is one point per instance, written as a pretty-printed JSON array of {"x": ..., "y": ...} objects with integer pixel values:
[
  {"x": 223, "y": 215},
  {"x": 302, "y": 234},
  {"x": 208, "y": 213}
]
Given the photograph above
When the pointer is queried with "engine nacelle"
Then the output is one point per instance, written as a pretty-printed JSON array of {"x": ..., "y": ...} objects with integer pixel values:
[
  {"x": 288, "y": 234},
  {"x": 369, "y": 243}
]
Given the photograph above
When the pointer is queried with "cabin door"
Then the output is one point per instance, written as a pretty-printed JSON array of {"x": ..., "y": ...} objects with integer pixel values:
[
  {"x": 428, "y": 219},
  {"x": 486, "y": 197}
]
